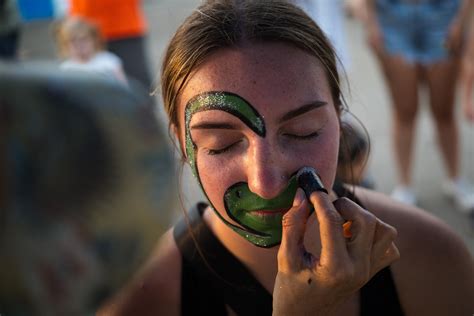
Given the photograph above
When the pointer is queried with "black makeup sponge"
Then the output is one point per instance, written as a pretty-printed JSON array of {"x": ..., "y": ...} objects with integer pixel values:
[{"x": 309, "y": 181}]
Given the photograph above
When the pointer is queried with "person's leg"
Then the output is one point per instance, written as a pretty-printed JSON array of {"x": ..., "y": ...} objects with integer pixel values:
[
  {"x": 441, "y": 80},
  {"x": 402, "y": 79}
]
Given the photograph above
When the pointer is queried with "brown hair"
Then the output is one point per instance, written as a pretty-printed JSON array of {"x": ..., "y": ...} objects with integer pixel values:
[
  {"x": 354, "y": 150},
  {"x": 219, "y": 24},
  {"x": 71, "y": 26}
]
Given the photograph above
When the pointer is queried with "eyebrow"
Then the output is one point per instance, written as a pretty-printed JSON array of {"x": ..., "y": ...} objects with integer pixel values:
[
  {"x": 301, "y": 110},
  {"x": 208, "y": 125}
]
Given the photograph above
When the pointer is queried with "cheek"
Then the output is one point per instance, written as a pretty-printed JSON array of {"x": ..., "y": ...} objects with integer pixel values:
[
  {"x": 216, "y": 176},
  {"x": 71, "y": 48}
]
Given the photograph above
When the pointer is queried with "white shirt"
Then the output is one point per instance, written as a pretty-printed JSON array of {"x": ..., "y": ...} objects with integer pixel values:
[{"x": 103, "y": 63}]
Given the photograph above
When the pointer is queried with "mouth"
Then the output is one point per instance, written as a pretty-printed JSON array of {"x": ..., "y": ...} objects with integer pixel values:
[
  {"x": 259, "y": 220},
  {"x": 266, "y": 213}
]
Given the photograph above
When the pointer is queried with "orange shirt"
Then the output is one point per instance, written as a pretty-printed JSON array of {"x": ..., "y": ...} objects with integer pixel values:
[{"x": 115, "y": 18}]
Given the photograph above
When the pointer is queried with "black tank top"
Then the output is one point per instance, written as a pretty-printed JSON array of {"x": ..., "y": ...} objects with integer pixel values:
[{"x": 211, "y": 277}]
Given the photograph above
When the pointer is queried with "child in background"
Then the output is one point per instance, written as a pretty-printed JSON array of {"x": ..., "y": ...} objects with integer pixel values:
[
  {"x": 354, "y": 150},
  {"x": 80, "y": 42}
]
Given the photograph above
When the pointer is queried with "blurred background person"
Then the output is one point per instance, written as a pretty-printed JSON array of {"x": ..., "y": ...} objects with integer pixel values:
[
  {"x": 86, "y": 182},
  {"x": 418, "y": 43},
  {"x": 10, "y": 24},
  {"x": 123, "y": 26},
  {"x": 81, "y": 44}
]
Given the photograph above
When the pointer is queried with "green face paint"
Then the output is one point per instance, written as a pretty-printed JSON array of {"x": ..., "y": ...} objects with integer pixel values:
[
  {"x": 223, "y": 101},
  {"x": 263, "y": 229},
  {"x": 260, "y": 216}
]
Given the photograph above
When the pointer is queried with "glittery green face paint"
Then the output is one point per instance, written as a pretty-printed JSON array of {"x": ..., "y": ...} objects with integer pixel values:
[
  {"x": 224, "y": 101},
  {"x": 260, "y": 218}
]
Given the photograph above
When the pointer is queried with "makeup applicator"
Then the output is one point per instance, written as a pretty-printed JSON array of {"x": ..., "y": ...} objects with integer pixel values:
[{"x": 309, "y": 181}]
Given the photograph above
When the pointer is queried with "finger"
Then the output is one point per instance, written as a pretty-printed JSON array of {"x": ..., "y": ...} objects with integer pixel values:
[
  {"x": 293, "y": 230},
  {"x": 362, "y": 230},
  {"x": 330, "y": 228},
  {"x": 384, "y": 251},
  {"x": 384, "y": 236},
  {"x": 391, "y": 255}
]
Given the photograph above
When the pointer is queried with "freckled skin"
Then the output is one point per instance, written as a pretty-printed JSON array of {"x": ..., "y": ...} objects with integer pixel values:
[
  {"x": 274, "y": 78},
  {"x": 238, "y": 199},
  {"x": 240, "y": 203}
]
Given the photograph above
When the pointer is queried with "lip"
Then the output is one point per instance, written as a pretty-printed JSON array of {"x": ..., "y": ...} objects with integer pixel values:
[{"x": 269, "y": 212}]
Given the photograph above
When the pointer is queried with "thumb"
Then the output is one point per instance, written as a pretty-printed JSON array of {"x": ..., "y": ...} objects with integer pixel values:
[{"x": 293, "y": 230}]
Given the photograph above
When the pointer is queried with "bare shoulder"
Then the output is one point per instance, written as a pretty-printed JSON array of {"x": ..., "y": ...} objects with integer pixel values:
[
  {"x": 435, "y": 273},
  {"x": 156, "y": 288}
]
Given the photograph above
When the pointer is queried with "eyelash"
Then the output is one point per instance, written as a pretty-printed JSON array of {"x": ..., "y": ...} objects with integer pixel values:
[
  {"x": 213, "y": 152},
  {"x": 304, "y": 137}
]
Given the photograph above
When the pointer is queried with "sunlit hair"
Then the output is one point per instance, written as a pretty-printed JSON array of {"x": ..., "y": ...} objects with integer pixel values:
[
  {"x": 75, "y": 26},
  {"x": 230, "y": 23}
]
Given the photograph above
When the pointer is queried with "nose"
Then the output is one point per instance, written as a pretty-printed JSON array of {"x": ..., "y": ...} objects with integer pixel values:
[{"x": 266, "y": 174}]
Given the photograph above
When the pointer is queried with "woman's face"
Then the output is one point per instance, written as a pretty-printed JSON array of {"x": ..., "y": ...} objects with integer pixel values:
[{"x": 250, "y": 118}]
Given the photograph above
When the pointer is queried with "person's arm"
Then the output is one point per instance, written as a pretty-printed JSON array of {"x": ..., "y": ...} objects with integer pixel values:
[
  {"x": 357, "y": 9},
  {"x": 467, "y": 72},
  {"x": 458, "y": 25},
  {"x": 435, "y": 273},
  {"x": 437, "y": 269}
]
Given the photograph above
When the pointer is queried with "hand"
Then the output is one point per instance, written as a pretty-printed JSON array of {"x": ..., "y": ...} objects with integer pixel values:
[
  {"x": 454, "y": 39},
  {"x": 374, "y": 36},
  {"x": 357, "y": 9},
  {"x": 308, "y": 285}
]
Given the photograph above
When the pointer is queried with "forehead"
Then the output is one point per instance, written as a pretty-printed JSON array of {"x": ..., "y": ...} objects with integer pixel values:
[
  {"x": 273, "y": 77},
  {"x": 79, "y": 34}
]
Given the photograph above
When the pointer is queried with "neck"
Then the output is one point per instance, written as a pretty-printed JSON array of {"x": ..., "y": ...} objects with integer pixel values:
[{"x": 262, "y": 262}]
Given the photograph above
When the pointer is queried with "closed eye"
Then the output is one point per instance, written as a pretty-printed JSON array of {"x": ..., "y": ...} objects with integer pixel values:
[
  {"x": 303, "y": 137},
  {"x": 213, "y": 152}
]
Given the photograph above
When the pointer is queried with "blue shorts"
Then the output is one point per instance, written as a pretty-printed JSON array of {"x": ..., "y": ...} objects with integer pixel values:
[{"x": 416, "y": 30}]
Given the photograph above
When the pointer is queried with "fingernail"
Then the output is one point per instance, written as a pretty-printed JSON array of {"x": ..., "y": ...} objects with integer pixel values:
[{"x": 299, "y": 197}]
